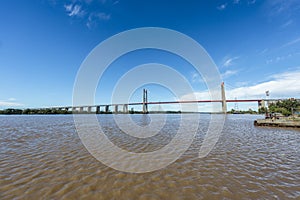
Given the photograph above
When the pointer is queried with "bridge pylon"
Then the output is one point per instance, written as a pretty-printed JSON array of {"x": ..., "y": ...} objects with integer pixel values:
[
  {"x": 145, "y": 101},
  {"x": 224, "y": 103}
]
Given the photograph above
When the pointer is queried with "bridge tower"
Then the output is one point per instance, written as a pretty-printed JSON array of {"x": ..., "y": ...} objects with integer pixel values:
[
  {"x": 145, "y": 101},
  {"x": 224, "y": 105}
]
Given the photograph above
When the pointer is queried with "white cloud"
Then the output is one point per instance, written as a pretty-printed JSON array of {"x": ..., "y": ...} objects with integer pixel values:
[
  {"x": 283, "y": 85},
  {"x": 103, "y": 16},
  {"x": 287, "y": 23},
  {"x": 222, "y": 6},
  {"x": 228, "y": 73},
  {"x": 69, "y": 7},
  {"x": 284, "y": 8},
  {"x": 292, "y": 42},
  {"x": 95, "y": 17},
  {"x": 74, "y": 10},
  {"x": 229, "y": 61},
  {"x": 9, "y": 104},
  {"x": 280, "y": 58},
  {"x": 251, "y": 1},
  {"x": 12, "y": 99},
  {"x": 196, "y": 77}
]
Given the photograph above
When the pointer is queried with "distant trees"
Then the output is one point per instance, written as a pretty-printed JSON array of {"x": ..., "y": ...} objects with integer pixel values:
[
  {"x": 250, "y": 111},
  {"x": 11, "y": 111},
  {"x": 285, "y": 107},
  {"x": 262, "y": 110}
]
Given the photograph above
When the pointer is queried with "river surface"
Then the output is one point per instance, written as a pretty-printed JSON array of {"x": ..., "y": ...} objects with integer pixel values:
[{"x": 42, "y": 157}]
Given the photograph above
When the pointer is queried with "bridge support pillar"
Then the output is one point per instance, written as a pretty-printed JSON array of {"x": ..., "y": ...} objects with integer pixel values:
[
  {"x": 81, "y": 109},
  {"x": 97, "y": 109},
  {"x": 224, "y": 104},
  {"x": 125, "y": 108},
  {"x": 116, "y": 108},
  {"x": 89, "y": 109},
  {"x": 107, "y": 108}
]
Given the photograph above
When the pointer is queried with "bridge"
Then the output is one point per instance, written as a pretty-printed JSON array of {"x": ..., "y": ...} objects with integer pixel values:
[{"x": 97, "y": 108}]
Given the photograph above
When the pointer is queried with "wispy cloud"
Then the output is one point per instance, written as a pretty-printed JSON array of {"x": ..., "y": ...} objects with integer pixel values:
[
  {"x": 279, "y": 58},
  {"x": 11, "y": 102},
  {"x": 279, "y": 7},
  {"x": 195, "y": 77},
  {"x": 222, "y": 6},
  {"x": 228, "y": 61},
  {"x": 251, "y": 2},
  {"x": 74, "y": 10},
  {"x": 291, "y": 42},
  {"x": 236, "y": 1},
  {"x": 90, "y": 11},
  {"x": 287, "y": 23},
  {"x": 228, "y": 73},
  {"x": 94, "y": 18}
]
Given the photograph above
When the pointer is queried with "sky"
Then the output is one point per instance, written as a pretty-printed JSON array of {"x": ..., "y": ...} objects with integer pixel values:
[{"x": 255, "y": 45}]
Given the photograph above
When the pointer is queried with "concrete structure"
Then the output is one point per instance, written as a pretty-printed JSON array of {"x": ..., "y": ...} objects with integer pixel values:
[
  {"x": 116, "y": 109},
  {"x": 224, "y": 104},
  {"x": 125, "y": 108},
  {"x": 106, "y": 108},
  {"x": 145, "y": 101},
  {"x": 97, "y": 109},
  {"x": 285, "y": 122}
]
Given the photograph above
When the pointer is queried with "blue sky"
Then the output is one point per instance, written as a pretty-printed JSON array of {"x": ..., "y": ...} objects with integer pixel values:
[{"x": 254, "y": 43}]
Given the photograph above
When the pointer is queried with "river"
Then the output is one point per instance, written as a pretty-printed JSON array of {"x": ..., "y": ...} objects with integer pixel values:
[{"x": 42, "y": 157}]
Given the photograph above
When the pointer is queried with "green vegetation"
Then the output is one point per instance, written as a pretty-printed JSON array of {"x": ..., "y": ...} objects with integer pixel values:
[
  {"x": 262, "y": 110},
  {"x": 285, "y": 107},
  {"x": 250, "y": 111},
  {"x": 49, "y": 111},
  {"x": 11, "y": 111}
]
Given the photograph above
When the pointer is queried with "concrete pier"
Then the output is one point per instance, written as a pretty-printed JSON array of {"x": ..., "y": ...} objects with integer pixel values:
[
  {"x": 288, "y": 123},
  {"x": 97, "y": 109},
  {"x": 107, "y": 108},
  {"x": 89, "y": 109},
  {"x": 125, "y": 108}
]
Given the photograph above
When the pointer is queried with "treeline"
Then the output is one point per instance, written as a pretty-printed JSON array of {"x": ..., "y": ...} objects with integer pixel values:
[
  {"x": 250, "y": 111},
  {"x": 12, "y": 111},
  {"x": 285, "y": 107}
]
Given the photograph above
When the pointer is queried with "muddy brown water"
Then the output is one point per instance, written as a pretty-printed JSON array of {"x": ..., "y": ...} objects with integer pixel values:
[{"x": 42, "y": 157}]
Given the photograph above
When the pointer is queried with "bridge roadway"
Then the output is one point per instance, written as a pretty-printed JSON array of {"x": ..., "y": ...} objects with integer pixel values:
[{"x": 88, "y": 108}]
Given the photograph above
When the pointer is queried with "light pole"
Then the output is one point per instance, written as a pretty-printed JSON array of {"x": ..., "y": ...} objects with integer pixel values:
[{"x": 267, "y": 95}]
